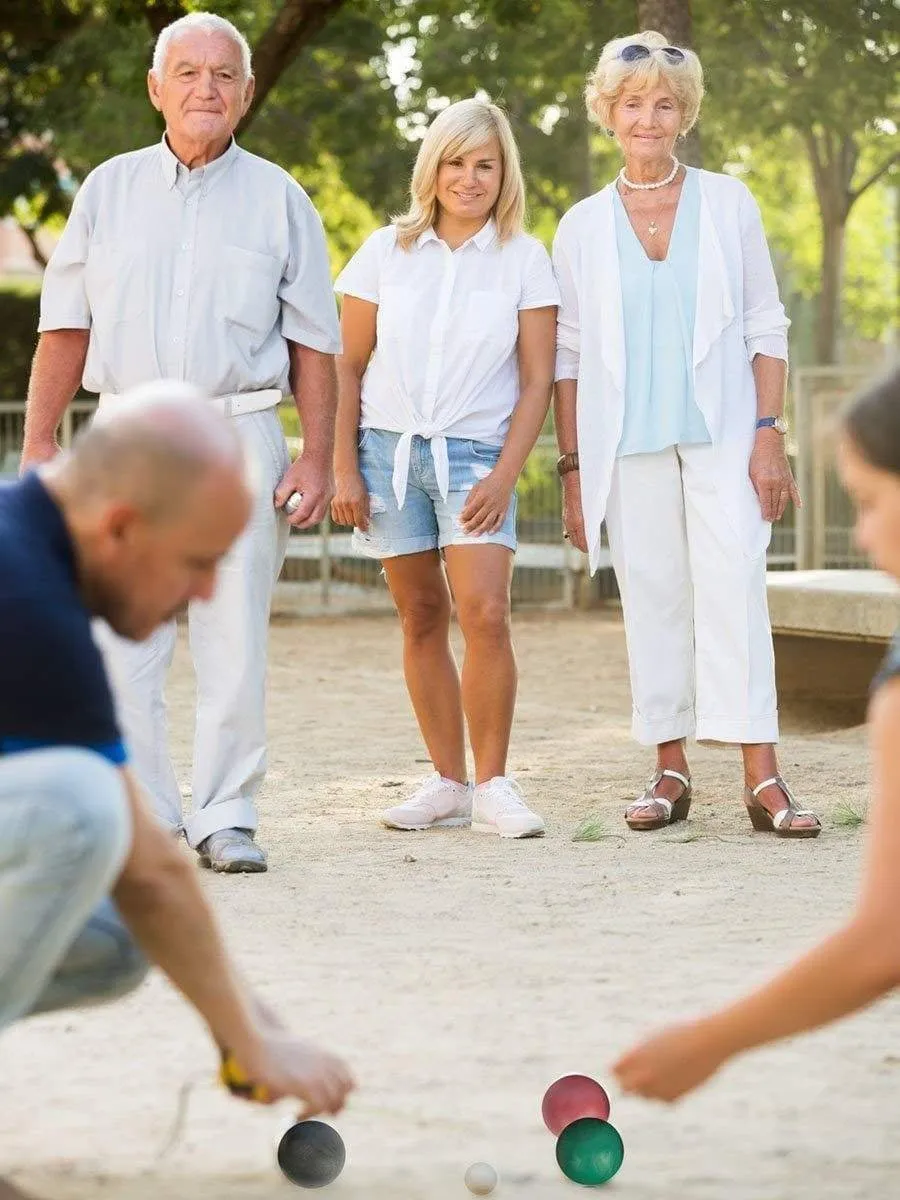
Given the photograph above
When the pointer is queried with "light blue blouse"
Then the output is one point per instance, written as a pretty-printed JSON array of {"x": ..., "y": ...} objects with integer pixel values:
[{"x": 658, "y": 304}]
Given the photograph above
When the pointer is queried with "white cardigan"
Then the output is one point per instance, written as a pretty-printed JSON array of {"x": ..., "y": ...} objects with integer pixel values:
[{"x": 738, "y": 315}]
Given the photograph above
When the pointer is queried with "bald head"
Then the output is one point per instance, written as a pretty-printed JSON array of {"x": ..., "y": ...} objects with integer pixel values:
[
  {"x": 151, "y": 449},
  {"x": 154, "y": 494}
]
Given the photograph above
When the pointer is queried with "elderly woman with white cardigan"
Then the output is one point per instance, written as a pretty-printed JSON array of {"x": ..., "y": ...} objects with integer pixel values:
[{"x": 671, "y": 373}]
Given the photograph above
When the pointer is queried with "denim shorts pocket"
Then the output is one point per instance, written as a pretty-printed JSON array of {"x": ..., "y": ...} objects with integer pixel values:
[
  {"x": 485, "y": 452},
  {"x": 362, "y": 438}
]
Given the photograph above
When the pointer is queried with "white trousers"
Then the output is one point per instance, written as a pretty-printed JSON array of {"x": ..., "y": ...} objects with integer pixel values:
[
  {"x": 696, "y": 615},
  {"x": 228, "y": 640}
]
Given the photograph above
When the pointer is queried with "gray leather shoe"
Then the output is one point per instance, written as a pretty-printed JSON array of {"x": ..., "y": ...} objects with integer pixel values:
[{"x": 232, "y": 850}]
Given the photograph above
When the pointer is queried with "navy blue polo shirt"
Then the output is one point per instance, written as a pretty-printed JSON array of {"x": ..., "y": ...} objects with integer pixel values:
[{"x": 53, "y": 685}]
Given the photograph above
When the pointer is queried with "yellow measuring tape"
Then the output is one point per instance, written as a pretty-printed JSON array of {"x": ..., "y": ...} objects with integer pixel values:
[{"x": 232, "y": 1077}]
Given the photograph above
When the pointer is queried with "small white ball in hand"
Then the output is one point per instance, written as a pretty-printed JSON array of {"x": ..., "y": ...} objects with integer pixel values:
[
  {"x": 481, "y": 1179},
  {"x": 293, "y": 502}
]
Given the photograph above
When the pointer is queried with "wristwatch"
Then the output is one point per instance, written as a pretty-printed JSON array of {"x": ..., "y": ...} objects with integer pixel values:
[
  {"x": 567, "y": 462},
  {"x": 779, "y": 424}
]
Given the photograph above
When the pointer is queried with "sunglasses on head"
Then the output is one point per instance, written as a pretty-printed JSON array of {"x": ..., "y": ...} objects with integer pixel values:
[{"x": 636, "y": 51}]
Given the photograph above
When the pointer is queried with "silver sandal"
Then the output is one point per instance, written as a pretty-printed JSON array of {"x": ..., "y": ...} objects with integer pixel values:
[{"x": 659, "y": 811}]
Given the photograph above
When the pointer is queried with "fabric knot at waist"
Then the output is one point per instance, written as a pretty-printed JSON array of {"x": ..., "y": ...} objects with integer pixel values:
[{"x": 438, "y": 443}]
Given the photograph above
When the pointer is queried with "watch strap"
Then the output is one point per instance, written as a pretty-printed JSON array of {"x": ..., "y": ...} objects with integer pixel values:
[{"x": 567, "y": 462}]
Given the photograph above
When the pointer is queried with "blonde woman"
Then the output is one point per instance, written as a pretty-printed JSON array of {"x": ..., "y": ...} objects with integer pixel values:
[
  {"x": 448, "y": 324},
  {"x": 671, "y": 371}
]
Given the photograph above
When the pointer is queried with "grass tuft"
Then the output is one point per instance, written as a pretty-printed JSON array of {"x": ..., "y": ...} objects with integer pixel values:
[{"x": 848, "y": 816}]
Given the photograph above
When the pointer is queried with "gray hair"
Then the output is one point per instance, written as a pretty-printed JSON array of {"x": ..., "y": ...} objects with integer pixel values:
[{"x": 208, "y": 22}]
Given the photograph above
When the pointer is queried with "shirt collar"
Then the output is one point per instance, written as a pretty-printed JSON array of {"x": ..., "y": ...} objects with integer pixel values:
[
  {"x": 170, "y": 163},
  {"x": 482, "y": 239}
]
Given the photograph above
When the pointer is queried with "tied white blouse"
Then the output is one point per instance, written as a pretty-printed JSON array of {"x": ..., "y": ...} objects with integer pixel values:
[{"x": 445, "y": 362}]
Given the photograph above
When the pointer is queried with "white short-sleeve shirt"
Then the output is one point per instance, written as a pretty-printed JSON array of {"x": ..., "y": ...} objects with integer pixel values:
[
  {"x": 445, "y": 361},
  {"x": 197, "y": 274}
]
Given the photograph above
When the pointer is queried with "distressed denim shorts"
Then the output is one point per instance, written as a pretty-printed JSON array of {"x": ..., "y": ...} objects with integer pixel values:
[{"x": 426, "y": 521}]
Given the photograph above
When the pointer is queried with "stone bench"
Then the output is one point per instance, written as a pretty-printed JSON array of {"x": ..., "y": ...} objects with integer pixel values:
[{"x": 831, "y": 630}]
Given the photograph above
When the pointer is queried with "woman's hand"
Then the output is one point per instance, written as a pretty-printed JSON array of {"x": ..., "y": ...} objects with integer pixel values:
[
  {"x": 487, "y": 504},
  {"x": 572, "y": 513},
  {"x": 671, "y": 1063},
  {"x": 770, "y": 474},
  {"x": 350, "y": 505}
]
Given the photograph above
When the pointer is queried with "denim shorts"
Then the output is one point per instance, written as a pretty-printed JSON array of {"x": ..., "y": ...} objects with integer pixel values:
[{"x": 426, "y": 521}]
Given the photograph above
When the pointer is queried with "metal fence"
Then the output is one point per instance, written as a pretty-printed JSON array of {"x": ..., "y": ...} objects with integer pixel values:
[
  {"x": 548, "y": 570},
  {"x": 825, "y": 523}
]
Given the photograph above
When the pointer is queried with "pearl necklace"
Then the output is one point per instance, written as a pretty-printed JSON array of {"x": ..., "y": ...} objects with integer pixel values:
[{"x": 651, "y": 187}]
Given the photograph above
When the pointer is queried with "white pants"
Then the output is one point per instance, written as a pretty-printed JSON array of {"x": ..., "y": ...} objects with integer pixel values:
[
  {"x": 696, "y": 615},
  {"x": 228, "y": 639}
]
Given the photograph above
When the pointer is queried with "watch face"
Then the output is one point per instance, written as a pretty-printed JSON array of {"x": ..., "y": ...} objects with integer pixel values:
[{"x": 781, "y": 425}]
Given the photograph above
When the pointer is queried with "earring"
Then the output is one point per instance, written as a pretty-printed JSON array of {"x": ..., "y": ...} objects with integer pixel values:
[{"x": 610, "y": 133}]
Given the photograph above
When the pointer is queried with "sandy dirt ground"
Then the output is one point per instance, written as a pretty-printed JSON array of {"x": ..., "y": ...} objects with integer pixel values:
[{"x": 461, "y": 974}]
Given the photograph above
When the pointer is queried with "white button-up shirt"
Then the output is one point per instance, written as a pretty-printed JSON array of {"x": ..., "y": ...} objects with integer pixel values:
[
  {"x": 197, "y": 275},
  {"x": 445, "y": 362}
]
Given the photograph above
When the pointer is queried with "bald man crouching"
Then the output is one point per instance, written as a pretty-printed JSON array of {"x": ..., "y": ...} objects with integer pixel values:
[{"x": 130, "y": 526}]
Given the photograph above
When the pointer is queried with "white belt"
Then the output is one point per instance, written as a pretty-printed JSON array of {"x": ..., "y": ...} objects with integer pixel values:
[{"x": 237, "y": 404}]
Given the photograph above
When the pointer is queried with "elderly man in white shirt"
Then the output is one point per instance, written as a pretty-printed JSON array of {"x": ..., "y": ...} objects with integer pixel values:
[{"x": 194, "y": 260}]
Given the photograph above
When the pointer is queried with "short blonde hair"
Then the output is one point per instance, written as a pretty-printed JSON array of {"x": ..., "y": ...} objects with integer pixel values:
[
  {"x": 459, "y": 129},
  {"x": 612, "y": 76}
]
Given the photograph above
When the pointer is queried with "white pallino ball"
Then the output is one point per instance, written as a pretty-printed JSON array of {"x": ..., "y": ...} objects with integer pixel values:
[
  {"x": 293, "y": 502},
  {"x": 481, "y": 1179}
]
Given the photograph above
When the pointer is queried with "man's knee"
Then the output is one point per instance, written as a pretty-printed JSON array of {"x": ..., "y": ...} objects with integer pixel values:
[
  {"x": 85, "y": 815},
  {"x": 103, "y": 964}
]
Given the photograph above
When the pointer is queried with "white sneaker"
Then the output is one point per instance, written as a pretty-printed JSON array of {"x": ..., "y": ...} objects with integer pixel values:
[
  {"x": 435, "y": 802},
  {"x": 498, "y": 806}
]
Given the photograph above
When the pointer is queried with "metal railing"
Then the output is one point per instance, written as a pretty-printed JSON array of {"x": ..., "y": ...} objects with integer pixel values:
[
  {"x": 825, "y": 523},
  {"x": 548, "y": 570}
]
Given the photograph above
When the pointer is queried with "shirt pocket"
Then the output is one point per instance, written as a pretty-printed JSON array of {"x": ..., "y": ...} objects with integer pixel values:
[
  {"x": 247, "y": 289},
  {"x": 115, "y": 282},
  {"x": 397, "y": 306},
  {"x": 490, "y": 316}
]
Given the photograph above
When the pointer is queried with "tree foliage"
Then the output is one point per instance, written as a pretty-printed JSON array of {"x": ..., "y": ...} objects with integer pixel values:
[{"x": 799, "y": 96}]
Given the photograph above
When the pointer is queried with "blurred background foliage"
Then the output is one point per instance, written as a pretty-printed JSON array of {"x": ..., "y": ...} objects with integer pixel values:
[{"x": 802, "y": 102}]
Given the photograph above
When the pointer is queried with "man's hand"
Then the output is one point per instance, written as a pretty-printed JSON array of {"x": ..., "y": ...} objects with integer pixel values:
[
  {"x": 350, "y": 505},
  {"x": 34, "y": 453},
  {"x": 287, "y": 1067},
  {"x": 770, "y": 474},
  {"x": 487, "y": 504},
  {"x": 671, "y": 1063},
  {"x": 312, "y": 478},
  {"x": 572, "y": 514}
]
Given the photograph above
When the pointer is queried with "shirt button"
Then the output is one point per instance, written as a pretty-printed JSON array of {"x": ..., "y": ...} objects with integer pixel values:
[
  {"x": 180, "y": 292},
  {"x": 175, "y": 339},
  {"x": 185, "y": 245}
]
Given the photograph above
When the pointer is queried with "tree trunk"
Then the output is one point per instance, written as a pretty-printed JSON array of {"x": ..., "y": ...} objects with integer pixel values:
[
  {"x": 163, "y": 13},
  {"x": 833, "y": 160},
  {"x": 39, "y": 257},
  {"x": 293, "y": 27},
  {"x": 828, "y": 317},
  {"x": 673, "y": 19}
]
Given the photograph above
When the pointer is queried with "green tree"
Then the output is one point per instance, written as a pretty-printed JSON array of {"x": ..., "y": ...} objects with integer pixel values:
[{"x": 824, "y": 69}]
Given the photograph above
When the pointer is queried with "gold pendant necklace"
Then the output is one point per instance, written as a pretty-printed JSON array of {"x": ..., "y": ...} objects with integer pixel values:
[{"x": 653, "y": 226}]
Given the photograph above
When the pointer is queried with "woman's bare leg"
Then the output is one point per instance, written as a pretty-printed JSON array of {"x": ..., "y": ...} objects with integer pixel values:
[{"x": 419, "y": 588}]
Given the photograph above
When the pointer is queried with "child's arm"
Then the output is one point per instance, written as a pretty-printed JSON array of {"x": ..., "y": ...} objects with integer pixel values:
[{"x": 844, "y": 973}]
